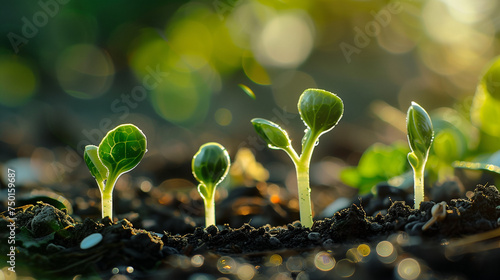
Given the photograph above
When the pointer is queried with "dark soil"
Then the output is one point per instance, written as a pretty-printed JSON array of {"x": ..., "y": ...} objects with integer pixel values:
[{"x": 47, "y": 240}]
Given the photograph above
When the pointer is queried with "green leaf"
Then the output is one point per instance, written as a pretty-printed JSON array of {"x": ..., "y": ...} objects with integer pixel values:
[
  {"x": 447, "y": 145},
  {"x": 122, "y": 149},
  {"x": 490, "y": 163},
  {"x": 273, "y": 134},
  {"x": 420, "y": 132},
  {"x": 378, "y": 163},
  {"x": 485, "y": 111},
  {"x": 320, "y": 110},
  {"x": 491, "y": 79},
  {"x": 477, "y": 166},
  {"x": 28, "y": 240},
  {"x": 454, "y": 136},
  {"x": 97, "y": 169},
  {"x": 414, "y": 160},
  {"x": 205, "y": 191},
  {"x": 210, "y": 166}
]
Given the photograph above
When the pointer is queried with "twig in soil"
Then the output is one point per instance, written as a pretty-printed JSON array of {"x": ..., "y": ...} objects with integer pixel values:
[
  {"x": 474, "y": 243},
  {"x": 438, "y": 214},
  {"x": 92, "y": 259}
]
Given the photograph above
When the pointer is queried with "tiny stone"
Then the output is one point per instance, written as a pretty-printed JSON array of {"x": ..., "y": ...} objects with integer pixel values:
[
  {"x": 328, "y": 243},
  {"x": 167, "y": 251},
  {"x": 90, "y": 241},
  {"x": 376, "y": 227},
  {"x": 274, "y": 231},
  {"x": 212, "y": 230},
  {"x": 274, "y": 241},
  {"x": 313, "y": 236},
  {"x": 297, "y": 224}
]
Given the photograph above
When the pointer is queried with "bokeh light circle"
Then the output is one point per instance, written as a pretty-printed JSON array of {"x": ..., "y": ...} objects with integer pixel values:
[
  {"x": 409, "y": 269},
  {"x": 286, "y": 41},
  {"x": 324, "y": 262},
  {"x": 18, "y": 82},
  {"x": 85, "y": 71}
]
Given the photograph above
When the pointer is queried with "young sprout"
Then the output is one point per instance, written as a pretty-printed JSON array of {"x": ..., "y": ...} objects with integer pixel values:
[
  {"x": 119, "y": 151},
  {"x": 321, "y": 111},
  {"x": 420, "y": 136},
  {"x": 210, "y": 166}
]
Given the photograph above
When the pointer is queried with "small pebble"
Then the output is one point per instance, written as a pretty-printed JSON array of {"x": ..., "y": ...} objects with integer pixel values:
[
  {"x": 412, "y": 218},
  {"x": 167, "y": 251},
  {"x": 90, "y": 241},
  {"x": 313, "y": 236},
  {"x": 274, "y": 241},
  {"x": 274, "y": 231},
  {"x": 328, "y": 243},
  {"x": 212, "y": 230},
  {"x": 376, "y": 227}
]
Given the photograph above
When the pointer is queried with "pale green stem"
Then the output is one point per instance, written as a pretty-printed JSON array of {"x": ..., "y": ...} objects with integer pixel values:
[
  {"x": 107, "y": 196},
  {"x": 107, "y": 205},
  {"x": 209, "y": 211},
  {"x": 418, "y": 177},
  {"x": 304, "y": 196},
  {"x": 302, "y": 169}
]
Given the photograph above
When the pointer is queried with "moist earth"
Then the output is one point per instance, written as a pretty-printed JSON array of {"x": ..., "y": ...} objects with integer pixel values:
[{"x": 48, "y": 243}]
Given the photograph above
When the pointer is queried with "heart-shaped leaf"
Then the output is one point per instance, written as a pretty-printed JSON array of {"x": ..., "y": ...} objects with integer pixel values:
[
  {"x": 320, "y": 110},
  {"x": 122, "y": 149}
]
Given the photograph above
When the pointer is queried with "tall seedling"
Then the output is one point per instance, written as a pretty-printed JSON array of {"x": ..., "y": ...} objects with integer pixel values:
[
  {"x": 320, "y": 110},
  {"x": 420, "y": 136}
]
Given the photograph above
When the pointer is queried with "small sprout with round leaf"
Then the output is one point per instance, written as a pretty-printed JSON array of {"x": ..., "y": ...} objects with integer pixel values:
[
  {"x": 210, "y": 166},
  {"x": 120, "y": 151},
  {"x": 320, "y": 110},
  {"x": 420, "y": 137}
]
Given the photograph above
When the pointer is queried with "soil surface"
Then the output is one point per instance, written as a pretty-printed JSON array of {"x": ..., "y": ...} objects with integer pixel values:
[{"x": 384, "y": 244}]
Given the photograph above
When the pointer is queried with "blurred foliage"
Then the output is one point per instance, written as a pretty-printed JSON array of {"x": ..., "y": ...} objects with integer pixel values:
[
  {"x": 378, "y": 163},
  {"x": 455, "y": 139},
  {"x": 485, "y": 114},
  {"x": 486, "y": 104},
  {"x": 71, "y": 70}
]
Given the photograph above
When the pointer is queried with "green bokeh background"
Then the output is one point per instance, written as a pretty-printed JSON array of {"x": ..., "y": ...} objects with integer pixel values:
[{"x": 72, "y": 70}]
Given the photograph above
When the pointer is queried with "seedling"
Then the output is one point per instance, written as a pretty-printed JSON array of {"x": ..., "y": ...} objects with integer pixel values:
[
  {"x": 420, "y": 136},
  {"x": 321, "y": 111},
  {"x": 210, "y": 166},
  {"x": 119, "y": 151}
]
